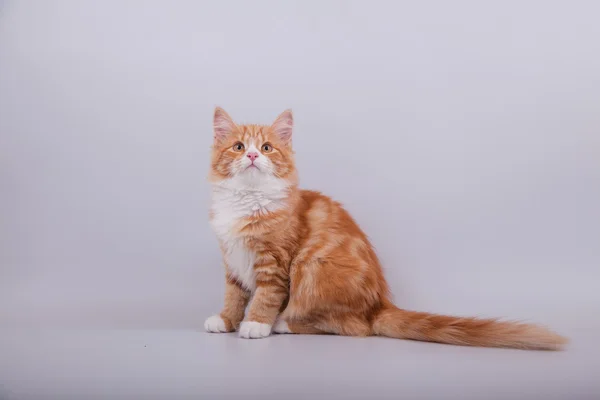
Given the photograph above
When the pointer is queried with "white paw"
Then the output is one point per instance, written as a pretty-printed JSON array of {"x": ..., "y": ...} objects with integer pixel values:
[
  {"x": 254, "y": 330},
  {"x": 215, "y": 324},
  {"x": 281, "y": 327}
]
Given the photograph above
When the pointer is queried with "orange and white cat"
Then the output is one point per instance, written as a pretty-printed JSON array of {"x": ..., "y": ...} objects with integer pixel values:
[{"x": 298, "y": 261}]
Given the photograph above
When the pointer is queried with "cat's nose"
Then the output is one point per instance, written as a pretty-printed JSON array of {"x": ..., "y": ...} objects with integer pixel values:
[{"x": 252, "y": 155}]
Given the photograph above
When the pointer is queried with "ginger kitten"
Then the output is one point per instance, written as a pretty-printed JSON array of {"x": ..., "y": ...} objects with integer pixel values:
[{"x": 303, "y": 264}]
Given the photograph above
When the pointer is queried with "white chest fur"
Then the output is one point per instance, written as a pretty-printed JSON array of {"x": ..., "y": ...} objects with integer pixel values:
[{"x": 233, "y": 200}]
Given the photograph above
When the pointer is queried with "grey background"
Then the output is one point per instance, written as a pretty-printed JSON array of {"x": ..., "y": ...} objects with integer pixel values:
[{"x": 463, "y": 136}]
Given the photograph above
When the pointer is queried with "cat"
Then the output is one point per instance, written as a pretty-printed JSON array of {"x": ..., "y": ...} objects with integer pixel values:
[{"x": 300, "y": 264}]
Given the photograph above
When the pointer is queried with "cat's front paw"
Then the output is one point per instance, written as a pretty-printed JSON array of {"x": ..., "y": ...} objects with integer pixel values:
[
  {"x": 254, "y": 330},
  {"x": 215, "y": 324}
]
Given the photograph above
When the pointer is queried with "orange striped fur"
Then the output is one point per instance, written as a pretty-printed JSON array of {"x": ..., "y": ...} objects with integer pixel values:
[{"x": 296, "y": 261}]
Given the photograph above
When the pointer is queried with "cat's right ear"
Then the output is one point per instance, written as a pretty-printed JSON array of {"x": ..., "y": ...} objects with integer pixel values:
[{"x": 223, "y": 125}]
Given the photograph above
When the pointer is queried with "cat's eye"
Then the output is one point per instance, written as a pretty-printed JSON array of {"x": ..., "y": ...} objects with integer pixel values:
[
  {"x": 267, "y": 148},
  {"x": 238, "y": 147}
]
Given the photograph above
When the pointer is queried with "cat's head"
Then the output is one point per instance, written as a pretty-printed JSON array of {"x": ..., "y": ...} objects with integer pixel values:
[{"x": 252, "y": 154}]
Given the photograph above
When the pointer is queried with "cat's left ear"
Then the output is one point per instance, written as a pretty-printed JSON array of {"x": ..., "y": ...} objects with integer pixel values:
[{"x": 283, "y": 126}]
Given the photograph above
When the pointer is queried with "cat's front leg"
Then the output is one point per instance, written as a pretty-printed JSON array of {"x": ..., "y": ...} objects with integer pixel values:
[
  {"x": 271, "y": 291},
  {"x": 236, "y": 300}
]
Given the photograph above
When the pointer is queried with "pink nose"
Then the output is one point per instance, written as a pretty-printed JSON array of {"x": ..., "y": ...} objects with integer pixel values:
[{"x": 252, "y": 155}]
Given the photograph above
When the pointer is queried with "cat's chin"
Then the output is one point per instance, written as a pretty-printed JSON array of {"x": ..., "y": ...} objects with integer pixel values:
[
  {"x": 251, "y": 178},
  {"x": 253, "y": 173}
]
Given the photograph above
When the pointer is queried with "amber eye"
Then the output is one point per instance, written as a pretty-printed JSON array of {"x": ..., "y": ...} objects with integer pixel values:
[
  {"x": 238, "y": 147},
  {"x": 267, "y": 148}
]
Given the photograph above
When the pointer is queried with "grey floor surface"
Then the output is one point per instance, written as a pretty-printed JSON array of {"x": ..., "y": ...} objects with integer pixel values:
[{"x": 191, "y": 364}]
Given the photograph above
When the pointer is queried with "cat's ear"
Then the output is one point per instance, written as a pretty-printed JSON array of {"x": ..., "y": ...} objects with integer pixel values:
[
  {"x": 223, "y": 125},
  {"x": 284, "y": 125}
]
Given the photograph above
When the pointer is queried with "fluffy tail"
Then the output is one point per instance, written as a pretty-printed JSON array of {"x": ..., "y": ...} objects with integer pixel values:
[{"x": 397, "y": 323}]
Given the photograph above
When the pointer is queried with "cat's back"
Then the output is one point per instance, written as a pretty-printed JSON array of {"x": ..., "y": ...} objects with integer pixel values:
[
  {"x": 322, "y": 214},
  {"x": 340, "y": 250}
]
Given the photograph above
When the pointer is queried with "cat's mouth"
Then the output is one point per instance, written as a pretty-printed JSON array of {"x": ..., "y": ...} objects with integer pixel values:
[{"x": 252, "y": 166}]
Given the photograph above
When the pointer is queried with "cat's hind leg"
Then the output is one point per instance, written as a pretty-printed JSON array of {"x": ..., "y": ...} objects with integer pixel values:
[
  {"x": 345, "y": 324},
  {"x": 296, "y": 326}
]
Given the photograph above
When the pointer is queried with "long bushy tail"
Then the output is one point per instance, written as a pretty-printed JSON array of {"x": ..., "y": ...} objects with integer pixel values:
[{"x": 397, "y": 323}]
